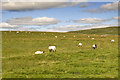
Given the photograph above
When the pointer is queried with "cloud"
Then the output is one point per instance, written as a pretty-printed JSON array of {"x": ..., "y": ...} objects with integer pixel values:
[
  {"x": 33, "y": 21},
  {"x": 116, "y": 17},
  {"x": 6, "y": 25},
  {"x": 110, "y": 6},
  {"x": 65, "y": 28},
  {"x": 91, "y": 20},
  {"x": 77, "y": 27},
  {"x": 85, "y": 4},
  {"x": 104, "y": 8},
  {"x": 24, "y": 6}
]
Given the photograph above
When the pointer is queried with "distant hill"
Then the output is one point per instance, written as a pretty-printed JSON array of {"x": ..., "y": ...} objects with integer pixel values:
[{"x": 108, "y": 30}]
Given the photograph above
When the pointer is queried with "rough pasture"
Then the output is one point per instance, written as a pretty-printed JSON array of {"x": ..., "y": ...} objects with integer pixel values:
[{"x": 70, "y": 61}]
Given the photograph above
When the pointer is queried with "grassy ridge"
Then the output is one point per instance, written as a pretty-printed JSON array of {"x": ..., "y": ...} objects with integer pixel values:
[
  {"x": 108, "y": 30},
  {"x": 69, "y": 61}
]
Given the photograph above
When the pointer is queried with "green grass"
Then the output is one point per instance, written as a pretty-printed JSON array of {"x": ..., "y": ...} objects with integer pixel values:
[
  {"x": 69, "y": 61},
  {"x": 108, "y": 30}
]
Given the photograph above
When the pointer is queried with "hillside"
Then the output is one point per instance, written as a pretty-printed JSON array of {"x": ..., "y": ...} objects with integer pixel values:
[
  {"x": 108, "y": 30},
  {"x": 69, "y": 61}
]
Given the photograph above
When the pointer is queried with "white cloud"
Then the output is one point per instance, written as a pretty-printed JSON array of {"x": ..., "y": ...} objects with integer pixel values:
[
  {"x": 91, "y": 20},
  {"x": 33, "y": 21},
  {"x": 85, "y": 4},
  {"x": 6, "y": 25},
  {"x": 110, "y": 6},
  {"x": 105, "y": 7},
  {"x": 21, "y": 6},
  {"x": 44, "y": 0},
  {"x": 77, "y": 27},
  {"x": 116, "y": 18},
  {"x": 65, "y": 28},
  {"x": 45, "y": 20}
]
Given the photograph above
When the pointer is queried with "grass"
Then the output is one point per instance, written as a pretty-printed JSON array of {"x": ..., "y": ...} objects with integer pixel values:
[
  {"x": 69, "y": 61},
  {"x": 108, "y": 30}
]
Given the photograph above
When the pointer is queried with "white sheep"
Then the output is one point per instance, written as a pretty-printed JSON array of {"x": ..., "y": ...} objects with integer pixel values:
[
  {"x": 55, "y": 36},
  {"x": 63, "y": 36},
  {"x": 88, "y": 36},
  {"x": 94, "y": 46},
  {"x": 17, "y": 32},
  {"x": 39, "y": 52},
  {"x": 80, "y": 44},
  {"x": 52, "y": 48},
  {"x": 93, "y": 38},
  {"x": 74, "y": 36},
  {"x": 112, "y": 40}
]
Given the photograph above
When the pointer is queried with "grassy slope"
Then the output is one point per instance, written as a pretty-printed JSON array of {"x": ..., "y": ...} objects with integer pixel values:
[
  {"x": 69, "y": 61},
  {"x": 108, "y": 30}
]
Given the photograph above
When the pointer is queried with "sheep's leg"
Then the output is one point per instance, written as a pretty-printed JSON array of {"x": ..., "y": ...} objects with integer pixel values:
[
  {"x": 49, "y": 50},
  {"x": 54, "y": 50}
]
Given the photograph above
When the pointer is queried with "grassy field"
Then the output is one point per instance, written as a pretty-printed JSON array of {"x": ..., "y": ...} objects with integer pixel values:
[{"x": 69, "y": 61}]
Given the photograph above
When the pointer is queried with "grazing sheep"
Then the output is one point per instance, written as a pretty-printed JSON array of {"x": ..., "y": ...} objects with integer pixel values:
[
  {"x": 88, "y": 36},
  {"x": 17, "y": 32},
  {"x": 103, "y": 35},
  {"x": 55, "y": 36},
  {"x": 80, "y": 44},
  {"x": 94, "y": 46},
  {"x": 74, "y": 36},
  {"x": 93, "y": 38},
  {"x": 52, "y": 48},
  {"x": 63, "y": 36},
  {"x": 112, "y": 40},
  {"x": 39, "y": 52}
]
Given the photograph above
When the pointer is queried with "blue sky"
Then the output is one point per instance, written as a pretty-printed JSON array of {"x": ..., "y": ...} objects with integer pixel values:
[{"x": 66, "y": 16}]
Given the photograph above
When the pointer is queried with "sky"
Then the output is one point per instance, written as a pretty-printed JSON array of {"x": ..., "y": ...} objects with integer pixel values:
[{"x": 58, "y": 16}]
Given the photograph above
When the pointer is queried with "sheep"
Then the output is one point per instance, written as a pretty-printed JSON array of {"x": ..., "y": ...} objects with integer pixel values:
[
  {"x": 80, "y": 44},
  {"x": 103, "y": 35},
  {"x": 94, "y": 46},
  {"x": 17, "y": 32},
  {"x": 63, "y": 36},
  {"x": 55, "y": 36},
  {"x": 93, "y": 38},
  {"x": 39, "y": 52},
  {"x": 112, "y": 40},
  {"x": 52, "y": 48},
  {"x": 88, "y": 36},
  {"x": 74, "y": 36}
]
